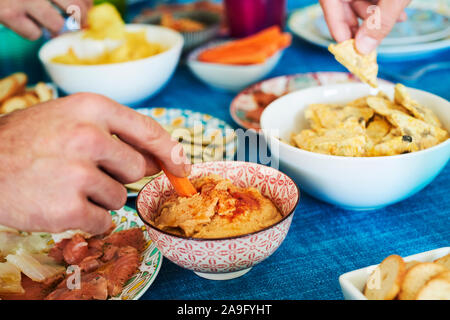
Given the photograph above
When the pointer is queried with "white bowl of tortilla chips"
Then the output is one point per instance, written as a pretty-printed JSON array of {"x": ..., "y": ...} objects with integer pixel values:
[{"x": 363, "y": 180}]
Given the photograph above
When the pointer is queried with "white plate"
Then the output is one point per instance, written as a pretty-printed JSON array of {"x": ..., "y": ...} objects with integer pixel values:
[{"x": 353, "y": 282}]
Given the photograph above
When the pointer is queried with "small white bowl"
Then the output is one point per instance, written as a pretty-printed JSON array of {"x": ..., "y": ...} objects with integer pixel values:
[
  {"x": 125, "y": 82},
  {"x": 357, "y": 183},
  {"x": 353, "y": 282},
  {"x": 229, "y": 77}
]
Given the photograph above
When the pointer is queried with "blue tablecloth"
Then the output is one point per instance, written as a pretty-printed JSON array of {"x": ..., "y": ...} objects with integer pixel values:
[{"x": 324, "y": 241}]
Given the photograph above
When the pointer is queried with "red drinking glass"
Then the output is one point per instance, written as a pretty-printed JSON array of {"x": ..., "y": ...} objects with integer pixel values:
[{"x": 246, "y": 17}]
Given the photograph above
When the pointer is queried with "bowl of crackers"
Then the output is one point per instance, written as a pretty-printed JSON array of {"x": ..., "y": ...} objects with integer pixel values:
[
  {"x": 423, "y": 276},
  {"x": 359, "y": 147}
]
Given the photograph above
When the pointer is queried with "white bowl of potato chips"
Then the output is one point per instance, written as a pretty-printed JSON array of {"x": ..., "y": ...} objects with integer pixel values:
[
  {"x": 342, "y": 150},
  {"x": 126, "y": 82}
]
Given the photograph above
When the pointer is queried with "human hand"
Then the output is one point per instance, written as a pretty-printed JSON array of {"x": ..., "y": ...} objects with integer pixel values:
[
  {"x": 27, "y": 16},
  {"x": 342, "y": 20},
  {"x": 62, "y": 169}
]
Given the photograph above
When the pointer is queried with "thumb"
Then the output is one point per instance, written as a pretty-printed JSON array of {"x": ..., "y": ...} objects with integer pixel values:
[{"x": 378, "y": 24}]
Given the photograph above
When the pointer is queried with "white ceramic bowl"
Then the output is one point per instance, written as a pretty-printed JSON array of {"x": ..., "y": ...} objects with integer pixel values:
[
  {"x": 353, "y": 282},
  {"x": 356, "y": 183},
  {"x": 223, "y": 258},
  {"x": 125, "y": 82},
  {"x": 227, "y": 77}
]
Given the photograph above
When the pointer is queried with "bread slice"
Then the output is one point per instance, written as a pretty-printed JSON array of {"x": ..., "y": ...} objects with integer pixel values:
[
  {"x": 384, "y": 282},
  {"x": 8, "y": 88},
  {"x": 31, "y": 98},
  {"x": 14, "y": 103},
  {"x": 416, "y": 277},
  {"x": 21, "y": 79},
  {"x": 411, "y": 264},
  {"x": 43, "y": 92},
  {"x": 445, "y": 261},
  {"x": 438, "y": 288}
]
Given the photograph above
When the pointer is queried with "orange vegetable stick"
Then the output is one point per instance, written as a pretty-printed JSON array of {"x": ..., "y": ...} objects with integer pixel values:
[
  {"x": 182, "y": 186},
  {"x": 251, "y": 50}
]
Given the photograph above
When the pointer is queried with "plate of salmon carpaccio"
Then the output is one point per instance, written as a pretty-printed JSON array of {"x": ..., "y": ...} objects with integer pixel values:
[{"x": 118, "y": 265}]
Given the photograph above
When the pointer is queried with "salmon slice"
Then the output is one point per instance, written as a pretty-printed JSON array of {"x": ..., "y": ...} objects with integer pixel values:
[
  {"x": 75, "y": 250},
  {"x": 132, "y": 237},
  {"x": 92, "y": 287},
  {"x": 118, "y": 271}
]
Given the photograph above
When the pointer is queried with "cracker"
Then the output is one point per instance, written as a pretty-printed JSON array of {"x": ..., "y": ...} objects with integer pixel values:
[
  {"x": 403, "y": 98},
  {"x": 385, "y": 280},
  {"x": 416, "y": 277},
  {"x": 365, "y": 67}
]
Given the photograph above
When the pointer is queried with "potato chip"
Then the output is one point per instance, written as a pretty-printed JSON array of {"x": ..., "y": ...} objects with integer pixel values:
[
  {"x": 105, "y": 23},
  {"x": 420, "y": 112},
  {"x": 365, "y": 67}
]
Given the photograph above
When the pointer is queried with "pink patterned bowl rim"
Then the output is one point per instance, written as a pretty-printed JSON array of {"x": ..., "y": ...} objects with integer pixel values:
[{"x": 218, "y": 163}]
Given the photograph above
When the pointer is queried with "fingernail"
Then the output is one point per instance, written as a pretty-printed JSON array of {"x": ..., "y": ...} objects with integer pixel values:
[
  {"x": 187, "y": 169},
  {"x": 366, "y": 44}
]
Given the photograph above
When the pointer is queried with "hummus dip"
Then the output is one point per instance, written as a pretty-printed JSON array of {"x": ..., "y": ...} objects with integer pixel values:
[{"x": 219, "y": 209}]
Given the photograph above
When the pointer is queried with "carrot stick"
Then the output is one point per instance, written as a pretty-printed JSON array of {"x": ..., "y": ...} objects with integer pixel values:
[
  {"x": 251, "y": 50},
  {"x": 182, "y": 186}
]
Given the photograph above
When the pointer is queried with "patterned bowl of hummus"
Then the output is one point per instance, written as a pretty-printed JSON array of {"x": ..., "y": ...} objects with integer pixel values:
[{"x": 239, "y": 217}]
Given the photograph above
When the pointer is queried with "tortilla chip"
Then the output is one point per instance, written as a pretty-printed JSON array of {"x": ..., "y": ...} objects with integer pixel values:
[
  {"x": 365, "y": 67},
  {"x": 393, "y": 146},
  {"x": 332, "y": 116},
  {"x": 422, "y": 133},
  {"x": 378, "y": 128},
  {"x": 348, "y": 139},
  {"x": 403, "y": 98}
]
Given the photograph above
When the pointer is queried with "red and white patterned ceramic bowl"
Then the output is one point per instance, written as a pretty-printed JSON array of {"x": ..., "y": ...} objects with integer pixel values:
[{"x": 223, "y": 258}]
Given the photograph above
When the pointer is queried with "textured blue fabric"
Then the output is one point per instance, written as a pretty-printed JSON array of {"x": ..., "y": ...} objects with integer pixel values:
[{"x": 323, "y": 241}]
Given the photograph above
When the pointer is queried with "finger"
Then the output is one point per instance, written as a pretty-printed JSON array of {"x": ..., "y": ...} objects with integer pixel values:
[
  {"x": 334, "y": 14},
  {"x": 377, "y": 26},
  {"x": 46, "y": 15},
  {"x": 145, "y": 134},
  {"x": 105, "y": 191},
  {"x": 77, "y": 7},
  {"x": 25, "y": 27},
  {"x": 364, "y": 10},
  {"x": 350, "y": 18},
  {"x": 95, "y": 220},
  {"x": 118, "y": 159}
]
